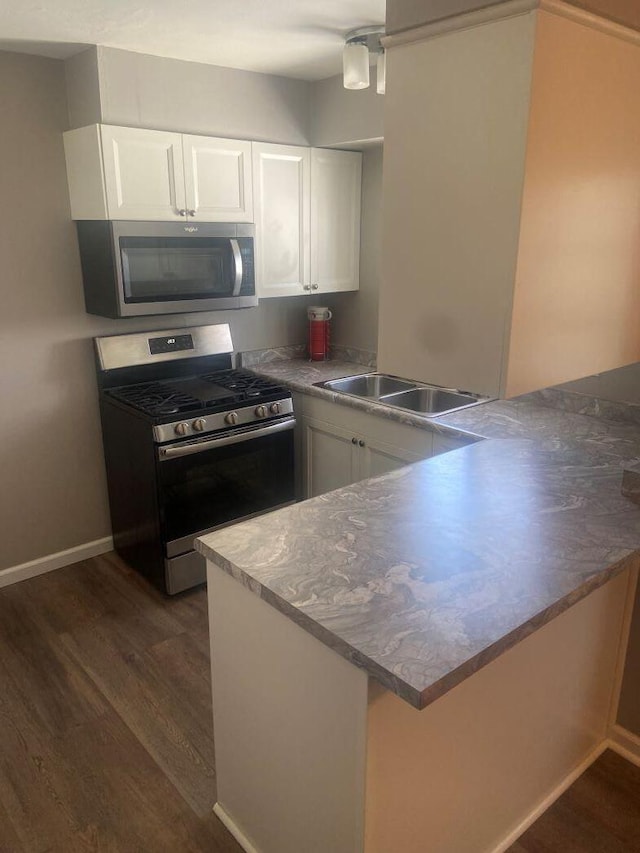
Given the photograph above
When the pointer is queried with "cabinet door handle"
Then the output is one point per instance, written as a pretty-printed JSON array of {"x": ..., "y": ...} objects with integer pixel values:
[
  {"x": 361, "y": 443},
  {"x": 182, "y": 212},
  {"x": 314, "y": 287},
  {"x": 192, "y": 212},
  {"x": 354, "y": 441},
  {"x": 306, "y": 287}
]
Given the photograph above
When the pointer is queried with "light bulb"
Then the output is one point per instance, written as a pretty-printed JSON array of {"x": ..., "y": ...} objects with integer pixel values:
[
  {"x": 355, "y": 64},
  {"x": 381, "y": 73}
]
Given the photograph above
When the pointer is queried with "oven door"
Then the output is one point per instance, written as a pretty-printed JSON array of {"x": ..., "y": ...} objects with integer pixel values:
[
  {"x": 169, "y": 268},
  {"x": 213, "y": 481}
]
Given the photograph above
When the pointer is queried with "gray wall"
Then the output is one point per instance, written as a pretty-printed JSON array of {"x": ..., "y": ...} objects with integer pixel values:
[
  {"x": 138, "y": 90},
  {"x": 355, "y": 315},
  {"x": 340, "y": 115},
  {"x": 54, "y": 491},
  {"x": 456, "y": 113},
  {"x": 622, "y": 384},
  {"x": 83, "y": 88},
  {"x": 405, "y": 14}
]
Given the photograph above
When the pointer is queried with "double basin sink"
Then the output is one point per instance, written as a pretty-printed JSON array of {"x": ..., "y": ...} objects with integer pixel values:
[{"x": 427, "y": 400}]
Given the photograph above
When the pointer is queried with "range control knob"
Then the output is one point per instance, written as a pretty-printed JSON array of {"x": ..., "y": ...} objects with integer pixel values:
[
  {"x": 181, "y": 429},
  {"x": 274, "y": 408},
  {"x": 261, "y": 412},
  {"x": 231, "y": 418},
  {"x": 199, "y": 425}
]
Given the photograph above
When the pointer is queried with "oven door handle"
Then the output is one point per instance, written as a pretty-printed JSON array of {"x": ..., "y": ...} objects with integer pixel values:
[
  {"x": 237, "y": 265},
  {"x": 175, "y": 451}
]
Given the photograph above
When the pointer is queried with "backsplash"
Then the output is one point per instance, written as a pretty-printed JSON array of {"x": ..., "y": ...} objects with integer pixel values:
[
  {"x": 585, "y": 404},
  {"x": 358, "y": 356},
  {"x": 338, "y": 353},
  {"x": 266, "y": 356}
]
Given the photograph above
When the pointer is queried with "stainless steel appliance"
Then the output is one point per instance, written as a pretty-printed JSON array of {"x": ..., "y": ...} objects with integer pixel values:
[
  {"x": 134, "y": 268},
  {"x": 190, "y": 445}
]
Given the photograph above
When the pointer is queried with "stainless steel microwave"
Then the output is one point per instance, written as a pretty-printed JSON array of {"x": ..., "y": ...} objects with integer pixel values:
[{"x": 130, "y": 269}]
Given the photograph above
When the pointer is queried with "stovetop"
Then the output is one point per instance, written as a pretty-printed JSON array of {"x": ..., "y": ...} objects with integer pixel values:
[{"x": 212, "y": 392}]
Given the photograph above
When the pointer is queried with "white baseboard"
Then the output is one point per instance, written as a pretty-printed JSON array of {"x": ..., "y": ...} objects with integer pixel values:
[
  {"x": 625, "y": 743},
  {"x": 550, "y": 799},
  {"x": 15, "y": 574},
  {"x": 234, "y": 829}
]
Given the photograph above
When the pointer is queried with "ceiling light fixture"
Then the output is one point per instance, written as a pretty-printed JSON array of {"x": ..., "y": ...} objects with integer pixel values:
[{"x": 355, "y": 58}]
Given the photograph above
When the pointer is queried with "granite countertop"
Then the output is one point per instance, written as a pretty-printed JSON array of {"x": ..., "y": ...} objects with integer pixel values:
[{"x": 425, "y": 574}]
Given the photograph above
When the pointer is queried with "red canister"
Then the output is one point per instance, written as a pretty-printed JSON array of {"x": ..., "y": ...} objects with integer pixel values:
[{"x": 319, "y": 330}]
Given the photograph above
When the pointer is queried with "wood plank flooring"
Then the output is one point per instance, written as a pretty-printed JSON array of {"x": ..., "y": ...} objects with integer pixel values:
[
  {"x": 105, "y": 712},
  {"x": 600, "y": 813},
  {"x": 106, "y": 741}
]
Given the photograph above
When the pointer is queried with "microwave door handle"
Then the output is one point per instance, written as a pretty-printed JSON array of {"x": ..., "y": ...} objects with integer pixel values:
[
  {"x": 237, "y": 264},
  {"x": 126, "y": 274}
]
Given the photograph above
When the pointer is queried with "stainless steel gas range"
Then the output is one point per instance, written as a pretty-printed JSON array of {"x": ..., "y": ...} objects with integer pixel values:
[{"x": 190, "y": 445}]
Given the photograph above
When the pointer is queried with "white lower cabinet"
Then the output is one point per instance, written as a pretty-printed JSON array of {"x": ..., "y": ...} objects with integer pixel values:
[
  {"x": 341, "y": 445},
  {"x": 331, "y": 457}
]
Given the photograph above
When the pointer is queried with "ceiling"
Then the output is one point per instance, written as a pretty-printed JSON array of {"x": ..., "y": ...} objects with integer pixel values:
[{"x": 292, "y": 38}]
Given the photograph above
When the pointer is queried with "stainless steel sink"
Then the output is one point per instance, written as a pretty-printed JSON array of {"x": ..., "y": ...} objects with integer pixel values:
[
  {"x": 371, "y": 385},
  {"x": 427, "y": 400},
  {"x": 431, "y": 401}
]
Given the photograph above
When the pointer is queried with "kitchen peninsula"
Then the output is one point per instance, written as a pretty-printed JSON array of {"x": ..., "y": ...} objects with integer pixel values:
[{"x": 420, "y": 659}]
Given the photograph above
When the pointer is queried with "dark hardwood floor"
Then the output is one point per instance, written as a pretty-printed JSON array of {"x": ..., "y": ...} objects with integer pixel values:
[
  {"x": 106, "y": 741},
  {"x": 600, "y": 813},
  {"x": 106, "y": 738}
]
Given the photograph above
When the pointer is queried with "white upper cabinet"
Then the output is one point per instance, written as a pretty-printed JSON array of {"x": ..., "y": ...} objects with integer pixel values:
[
  {"x": 282, "y": 180},
  {"x": 335, "y": 219},
  {"x": 307, "y": 204},
  {"x": 143, "y": 173},
  {"x": 133, "y": 173},
  {"x": 217, "y": 175}
]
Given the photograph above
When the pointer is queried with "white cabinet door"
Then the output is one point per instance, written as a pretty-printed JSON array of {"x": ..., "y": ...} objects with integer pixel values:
[
  {"x": 217, "y": 174},
  {"x": 143, "y": 172},
  {"x": 281, "y": 175},
  {"x": 335, "y": 219},
  {"x": 341, "y": 445},
  {"x": 330, "y": 457}
]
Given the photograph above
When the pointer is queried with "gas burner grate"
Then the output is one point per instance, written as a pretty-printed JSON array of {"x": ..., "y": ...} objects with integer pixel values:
[
  {"x": 156, "y": 399},
  {"x": 164, "y": 398},
  {"x": 242, "y": 382}
]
